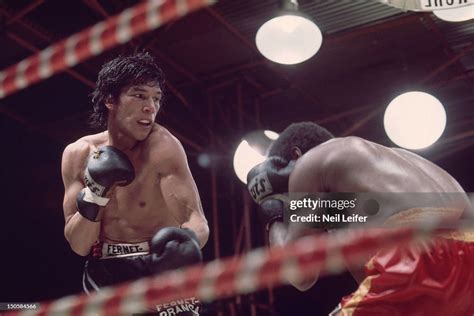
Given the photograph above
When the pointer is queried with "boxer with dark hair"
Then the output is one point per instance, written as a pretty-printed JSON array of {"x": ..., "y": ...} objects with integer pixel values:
[
  {"x": 130, "y": 200},
  {"x": 399, "y": 280},
  {"x": 297, "y": 139},
  {"x": 135, "y": 70}
]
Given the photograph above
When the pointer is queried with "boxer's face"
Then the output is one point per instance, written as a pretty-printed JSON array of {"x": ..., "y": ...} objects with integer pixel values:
[{"x": 135, "y": 110}]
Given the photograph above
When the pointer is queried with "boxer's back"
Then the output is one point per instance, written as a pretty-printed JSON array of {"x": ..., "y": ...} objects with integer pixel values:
[{"x": 353, "y": 164}]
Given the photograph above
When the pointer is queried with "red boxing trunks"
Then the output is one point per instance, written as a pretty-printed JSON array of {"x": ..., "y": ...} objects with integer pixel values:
[{"x": 433, "y": 278}]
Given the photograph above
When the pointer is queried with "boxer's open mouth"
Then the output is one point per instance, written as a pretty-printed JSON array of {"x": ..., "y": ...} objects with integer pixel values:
[{"x": 144, "y": 122}]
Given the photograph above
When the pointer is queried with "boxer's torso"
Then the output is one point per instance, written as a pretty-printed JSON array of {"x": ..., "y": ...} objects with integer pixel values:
[
  {"x": 137, "y": 211},
  {"x": 353, "y": 164}
]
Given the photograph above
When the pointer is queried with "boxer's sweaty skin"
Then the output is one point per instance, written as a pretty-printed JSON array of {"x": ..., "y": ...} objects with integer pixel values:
[
  {"x": 163, "y": 192},
  {"x": 135, "y": 212},
  {"x": 352, "y": 164}
]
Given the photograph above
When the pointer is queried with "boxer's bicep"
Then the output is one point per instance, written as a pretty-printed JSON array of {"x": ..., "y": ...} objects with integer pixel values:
[
  {"x": 180, "y": 191},
  {"x": 69, "y": 203},
  {"x": 78, "y": 231},
  {"x": 308, "y": 176},
  {"x": 72, "y": 164}
]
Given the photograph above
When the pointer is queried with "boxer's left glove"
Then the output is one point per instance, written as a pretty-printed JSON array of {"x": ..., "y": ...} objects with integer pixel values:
[
  {"x": 105, "y": 168},
  {"x": 174, "y": 248},
  {"x": 267, "y": 182}
]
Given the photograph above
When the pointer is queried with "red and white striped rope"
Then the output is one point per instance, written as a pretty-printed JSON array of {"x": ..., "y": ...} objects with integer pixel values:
[
  {"x": 93, "y": 41},
  {"x": 260, "y": 268}
]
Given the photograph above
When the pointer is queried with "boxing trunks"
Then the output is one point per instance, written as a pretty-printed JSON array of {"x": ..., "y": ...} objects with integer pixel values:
[
  {"x": 116, "y": 263},
  {"x": 433, "y": 278}
]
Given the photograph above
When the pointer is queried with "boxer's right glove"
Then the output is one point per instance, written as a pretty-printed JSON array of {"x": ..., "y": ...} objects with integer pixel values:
[
  {"x": 174, "y": 248},
  {"x": 267, "y": 182},
  {"x": 106, "y": 167}
]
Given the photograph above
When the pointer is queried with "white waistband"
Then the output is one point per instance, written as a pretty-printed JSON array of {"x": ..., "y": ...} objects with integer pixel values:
[{"x": 124, "y": 250}]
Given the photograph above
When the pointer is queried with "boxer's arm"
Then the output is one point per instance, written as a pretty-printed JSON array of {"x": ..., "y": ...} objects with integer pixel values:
[
  {"x": 282, "y": 234},
  {"x": 308, "y": 176},
  {"x": 268, "y": 182},
  {"x": 179, "y": 189},
  {"x": 79, "y": 232}
]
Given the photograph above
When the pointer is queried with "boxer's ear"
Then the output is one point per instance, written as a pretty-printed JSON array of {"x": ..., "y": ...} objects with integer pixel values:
[
  {"x": 109, "y": 102},
  {"x": 296, "y": 152}
]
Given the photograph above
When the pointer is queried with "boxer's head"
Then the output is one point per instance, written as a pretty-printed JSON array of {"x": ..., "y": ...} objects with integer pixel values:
[
  {"x": 297, "y": 139},
  {"x": 118, "y": 75}
]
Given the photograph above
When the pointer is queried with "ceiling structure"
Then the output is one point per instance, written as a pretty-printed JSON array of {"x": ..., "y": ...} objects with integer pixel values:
[
  {"x": 371, "y": 53},
  {"x": 219, "y": 87}
]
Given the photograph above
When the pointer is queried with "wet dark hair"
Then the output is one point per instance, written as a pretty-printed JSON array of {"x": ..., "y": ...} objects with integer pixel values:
[
  {"x": 304, "y": 135},
  {"x": 117, "y": 74}
]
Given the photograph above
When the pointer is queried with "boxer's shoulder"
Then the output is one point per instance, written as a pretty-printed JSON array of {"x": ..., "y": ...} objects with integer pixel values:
[
  {"x": 76, "y": 153},
  {"x": 350, "y": 144},
  {"x": 160, "y": 135},
  {"x": 162, "y": 144},
  {"x": 89, "y": 142},
  {"x": 335, "y": 152},
  {"x": 327, "y": 166}
]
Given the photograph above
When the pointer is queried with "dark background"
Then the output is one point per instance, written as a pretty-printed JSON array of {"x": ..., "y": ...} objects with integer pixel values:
[{"x": 218, "y": 88}]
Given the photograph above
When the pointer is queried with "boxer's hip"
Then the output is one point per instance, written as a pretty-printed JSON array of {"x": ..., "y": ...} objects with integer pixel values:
[
  {"x": 115, "y": 263},
  {"x": 111, "y": 264},
  {"x": 428, "y": 278}
]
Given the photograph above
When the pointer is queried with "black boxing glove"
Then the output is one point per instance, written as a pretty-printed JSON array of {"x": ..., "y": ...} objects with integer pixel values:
[
  {"x": 174, "y": 248},
  {"x": 106, "y": 167},
  {"x": 267, "y": 182}
]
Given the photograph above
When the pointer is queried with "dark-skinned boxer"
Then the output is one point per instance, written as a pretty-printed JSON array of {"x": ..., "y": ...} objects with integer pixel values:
[
  {"x": 130, "y": 201},
  {"x": 435, "y": 279}
]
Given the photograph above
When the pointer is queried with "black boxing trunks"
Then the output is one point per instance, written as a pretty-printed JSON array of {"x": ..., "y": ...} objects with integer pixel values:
[{"x": 111, "y": 264}]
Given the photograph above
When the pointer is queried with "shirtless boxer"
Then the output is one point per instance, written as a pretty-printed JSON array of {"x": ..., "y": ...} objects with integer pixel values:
[
  {"x": 398, "y": 280},
  {"x": 130, "y": 199}
]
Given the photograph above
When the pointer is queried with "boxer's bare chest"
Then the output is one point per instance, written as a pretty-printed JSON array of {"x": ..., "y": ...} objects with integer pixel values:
[{"x": 136, "y": 211}]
